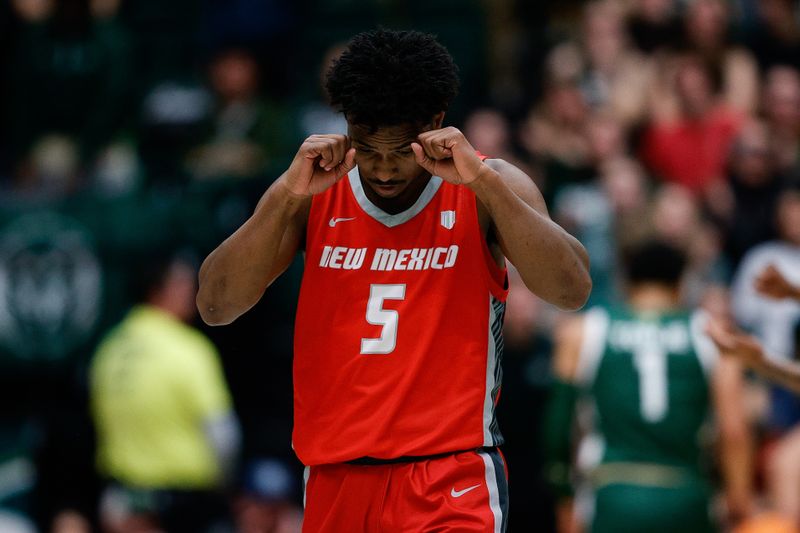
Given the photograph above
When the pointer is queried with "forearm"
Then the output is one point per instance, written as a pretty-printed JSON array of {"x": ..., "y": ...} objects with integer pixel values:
[
  {"x": 236, "y": 274},
  {"x": 556, "y": 437},
  {"x": 736, "y": 446},
  {"x": 552, "y": 263},
  {"x": 737, "y": 466}
]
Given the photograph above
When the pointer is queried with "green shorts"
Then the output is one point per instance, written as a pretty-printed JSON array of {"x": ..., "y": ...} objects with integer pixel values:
[{"x": 624, "y": 508}]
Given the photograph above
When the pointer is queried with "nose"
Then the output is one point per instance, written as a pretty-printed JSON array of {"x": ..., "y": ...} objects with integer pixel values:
[{"x": 384, "y": 169}]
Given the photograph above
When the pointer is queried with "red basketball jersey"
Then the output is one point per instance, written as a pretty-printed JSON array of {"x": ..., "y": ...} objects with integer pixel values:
[{"x": 398, "y": 335}]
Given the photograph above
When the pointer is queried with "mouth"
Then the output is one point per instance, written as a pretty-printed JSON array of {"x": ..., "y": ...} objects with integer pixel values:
[{"x": 386, "y": 186}]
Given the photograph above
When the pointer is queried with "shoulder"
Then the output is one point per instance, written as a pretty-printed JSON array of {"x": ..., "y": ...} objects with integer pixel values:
[
  {"x": 194, "y": 342},
  {"x": 761, "y": 253}
]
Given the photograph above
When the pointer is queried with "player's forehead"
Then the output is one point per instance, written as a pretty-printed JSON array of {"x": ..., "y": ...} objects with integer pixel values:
[{"x": 397, "y": 136}]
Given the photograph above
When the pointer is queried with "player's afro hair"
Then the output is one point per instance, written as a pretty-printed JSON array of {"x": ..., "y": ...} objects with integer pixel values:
[{"x": 389, "y": 78}]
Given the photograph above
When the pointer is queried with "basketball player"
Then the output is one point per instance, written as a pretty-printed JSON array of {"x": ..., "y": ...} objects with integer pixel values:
[
  {"x": 404, "y": 229},
  {"x": 652, "y": 377}
]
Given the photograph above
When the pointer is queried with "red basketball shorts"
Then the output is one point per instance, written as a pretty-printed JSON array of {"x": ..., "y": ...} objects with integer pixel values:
[{"x": 463, "y": 492}]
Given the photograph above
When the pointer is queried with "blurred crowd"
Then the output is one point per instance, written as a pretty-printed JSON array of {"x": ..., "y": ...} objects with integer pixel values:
[{"x": 132, "y": 130}]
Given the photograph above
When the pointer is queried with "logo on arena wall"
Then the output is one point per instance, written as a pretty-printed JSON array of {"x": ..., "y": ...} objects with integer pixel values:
[
  {"x": 448, "y": 219},
  {"x": 50, "y": 284}
]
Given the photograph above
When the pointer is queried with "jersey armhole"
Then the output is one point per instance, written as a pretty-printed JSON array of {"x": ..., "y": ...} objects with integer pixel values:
[
  {"x": 593, "y": 344},
  {"x": 707, "y": 352},
  {"x": 496, "y": 277}
]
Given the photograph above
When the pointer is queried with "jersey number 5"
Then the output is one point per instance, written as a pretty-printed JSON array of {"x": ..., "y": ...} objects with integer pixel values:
[{"x": 378, "y": 316}]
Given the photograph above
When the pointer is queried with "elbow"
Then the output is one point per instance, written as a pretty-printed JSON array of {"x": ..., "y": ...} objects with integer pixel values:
[
  {"x": 212, "y": 313},
  {"x": 577, "y": 290},
  {"x": 577, "y": 297}
]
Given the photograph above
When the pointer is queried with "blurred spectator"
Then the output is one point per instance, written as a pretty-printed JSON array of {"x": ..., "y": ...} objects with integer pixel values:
[
  {"x": 266, "y": 500},
  {"x": 706, "y": 24},
  {"x": 167, "y": 435},
  {"x": 599, "y": 214},
  {"x": 691, "y": 145},
  {"x": 675, "y": 215},
  {"x": 772, "y": 320},
  {"x": 755, "y": 186},
  {"x": 489, "y": 131},
  {"x": 615, "y": 77},
  {"x": 173, "y": 117},
  {"x": 654, "y": 25},
  {"x": 776, "y": 39},
  {"x": 53, "y": 167},
  {"x": 555, "y": 134},
  {"x": 246, "y": 132},
  {"x": 626, "y": 184},
  {"x": 606, "y": 137},
  {"x": 781, "y": 106},
  {"x": 71, "y": 72},
  {"x": 677, "y": 219},
  {"x": 268, "y": 28}
]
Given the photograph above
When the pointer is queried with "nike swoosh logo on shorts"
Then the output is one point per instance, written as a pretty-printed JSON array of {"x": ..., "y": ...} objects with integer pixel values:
[
  {"x": 459, "y": 493},
  {"x": 333, "y": 221}
]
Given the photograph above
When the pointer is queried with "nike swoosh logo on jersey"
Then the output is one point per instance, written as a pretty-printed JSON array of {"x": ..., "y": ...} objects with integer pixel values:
[
  {"x": 333, "y": 221},
  {"x": 459, "y": 493}
]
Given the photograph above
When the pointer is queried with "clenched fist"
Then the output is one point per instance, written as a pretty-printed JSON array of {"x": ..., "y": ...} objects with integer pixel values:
[
  {"x": 321, "y": 161},
  {"x": 448, "y": 154}
]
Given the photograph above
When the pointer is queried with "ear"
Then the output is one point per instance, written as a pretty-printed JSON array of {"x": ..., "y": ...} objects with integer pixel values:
[{"x": 438, "y": 119}]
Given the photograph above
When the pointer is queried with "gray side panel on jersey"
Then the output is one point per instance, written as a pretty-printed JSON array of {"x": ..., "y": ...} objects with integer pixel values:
[
  {"x": 595, "y": 332},
  {"x": 379, "y": 214},
  {"x": 705, "y": 348},
  {"x": 306, "y": 475},
  {"x": 494, "y": 372}
]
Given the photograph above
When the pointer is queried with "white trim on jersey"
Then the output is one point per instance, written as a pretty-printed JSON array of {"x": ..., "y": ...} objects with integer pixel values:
[
  {"x": 494, "y": 491},
  {"x": 595, "y": 330},
  {"x": 706, "y": 351},
  {"x": 379, "y": 214}
]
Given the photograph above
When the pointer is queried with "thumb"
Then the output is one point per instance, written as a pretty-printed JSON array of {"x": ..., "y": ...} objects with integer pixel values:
[{"x": 422, "y": 158}]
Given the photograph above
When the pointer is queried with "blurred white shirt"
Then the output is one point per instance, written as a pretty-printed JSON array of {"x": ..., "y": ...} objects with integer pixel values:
[{"x": 772, "y": 321}]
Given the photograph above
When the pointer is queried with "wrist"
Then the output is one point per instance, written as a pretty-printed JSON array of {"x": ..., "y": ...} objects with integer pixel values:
[
  {"x": 485, "y": 177},
  {"x": 286, "y": 190}
]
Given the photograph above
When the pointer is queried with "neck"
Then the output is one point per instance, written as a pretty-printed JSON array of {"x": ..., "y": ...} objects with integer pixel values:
[
  {"x": 653, "y": 297},
  {"x": 402, "y": 201},
  {"x": 166, "y": 307}
]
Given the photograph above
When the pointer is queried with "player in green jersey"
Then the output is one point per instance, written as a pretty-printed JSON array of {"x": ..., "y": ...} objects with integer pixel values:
[{"x": 651, "y": 377}]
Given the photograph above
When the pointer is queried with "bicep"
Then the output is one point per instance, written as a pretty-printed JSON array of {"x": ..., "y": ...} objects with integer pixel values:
[
  {"x": 292, "y": 242},
  {"x": 727, "y": 385},
  {"x": 523, "y": 186}
]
